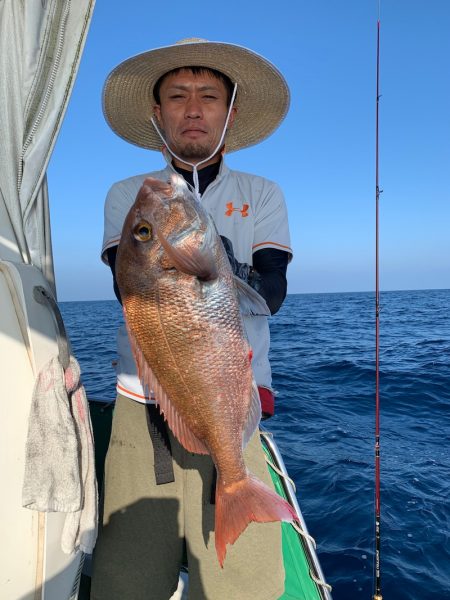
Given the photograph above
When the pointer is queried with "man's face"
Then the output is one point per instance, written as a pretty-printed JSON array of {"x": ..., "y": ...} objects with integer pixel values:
[{"x": 192, "y": 114}]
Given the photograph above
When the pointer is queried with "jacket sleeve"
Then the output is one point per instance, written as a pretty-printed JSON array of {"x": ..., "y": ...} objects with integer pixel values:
[{"x": 111, "y": 253}]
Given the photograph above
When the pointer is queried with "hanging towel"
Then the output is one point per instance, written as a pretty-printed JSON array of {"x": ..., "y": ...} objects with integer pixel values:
[{"x": 59, "y": 462}]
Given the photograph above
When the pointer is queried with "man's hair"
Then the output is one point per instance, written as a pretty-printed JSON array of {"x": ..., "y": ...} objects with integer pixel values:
[{"x": 196, "y": 71}]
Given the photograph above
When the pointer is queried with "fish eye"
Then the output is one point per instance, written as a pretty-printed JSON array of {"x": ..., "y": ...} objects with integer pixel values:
[{"x": 143, "y": 231}]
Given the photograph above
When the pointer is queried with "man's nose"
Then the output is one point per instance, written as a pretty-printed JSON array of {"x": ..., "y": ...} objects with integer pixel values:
[{"x": 193, "y": 109}]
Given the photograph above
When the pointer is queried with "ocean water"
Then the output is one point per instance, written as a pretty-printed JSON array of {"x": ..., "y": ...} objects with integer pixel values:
[{"x": 323, "y": 368}]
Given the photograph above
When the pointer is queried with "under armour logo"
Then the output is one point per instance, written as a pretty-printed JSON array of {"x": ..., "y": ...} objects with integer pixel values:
[{"x": 231, "y": 209}]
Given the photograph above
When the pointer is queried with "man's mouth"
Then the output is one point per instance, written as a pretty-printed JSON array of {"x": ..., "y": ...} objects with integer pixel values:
[{"x": 193, "y": 131}]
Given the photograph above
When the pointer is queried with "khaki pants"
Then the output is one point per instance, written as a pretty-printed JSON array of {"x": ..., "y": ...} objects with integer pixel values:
[{"x": 146, "y": 526}]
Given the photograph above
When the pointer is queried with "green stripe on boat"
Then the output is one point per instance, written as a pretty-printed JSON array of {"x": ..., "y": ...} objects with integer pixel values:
[{"x": 298, "y": 582}]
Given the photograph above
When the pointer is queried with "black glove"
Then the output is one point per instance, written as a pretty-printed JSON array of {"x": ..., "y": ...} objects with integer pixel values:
[{"x": 242, "y": 270}]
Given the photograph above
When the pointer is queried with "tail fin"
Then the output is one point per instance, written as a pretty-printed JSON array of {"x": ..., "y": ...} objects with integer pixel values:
[{"x": 240, "y": 504}]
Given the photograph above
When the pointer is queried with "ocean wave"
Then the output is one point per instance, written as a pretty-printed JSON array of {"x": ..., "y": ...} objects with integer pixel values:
[{"x": 323, "y": 359}]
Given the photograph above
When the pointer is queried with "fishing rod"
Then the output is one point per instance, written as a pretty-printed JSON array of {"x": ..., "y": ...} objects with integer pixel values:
[{"x": 377, "y": 569}]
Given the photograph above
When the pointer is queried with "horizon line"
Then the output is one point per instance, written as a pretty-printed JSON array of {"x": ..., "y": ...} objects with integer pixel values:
[{"x": 301, "y": 293}]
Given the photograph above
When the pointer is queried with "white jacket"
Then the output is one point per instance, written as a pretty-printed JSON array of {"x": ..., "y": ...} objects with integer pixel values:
[{"x": 248, "y": 210}]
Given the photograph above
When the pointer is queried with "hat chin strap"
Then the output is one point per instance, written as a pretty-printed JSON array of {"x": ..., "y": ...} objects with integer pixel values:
[{"x": 216, "y": 149}]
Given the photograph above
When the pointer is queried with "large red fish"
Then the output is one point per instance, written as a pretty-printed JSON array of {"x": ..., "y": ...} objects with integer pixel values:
[{"x": 181, "y": 306}]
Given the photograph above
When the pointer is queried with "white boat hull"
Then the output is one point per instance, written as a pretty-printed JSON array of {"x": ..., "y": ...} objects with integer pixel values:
[{"x": 33, "y": 566}]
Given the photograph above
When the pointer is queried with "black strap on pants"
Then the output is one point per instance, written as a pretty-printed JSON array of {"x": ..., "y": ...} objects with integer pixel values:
[
  {"x": 212, "y": 498},
  {"x": 162, "y": 450}
]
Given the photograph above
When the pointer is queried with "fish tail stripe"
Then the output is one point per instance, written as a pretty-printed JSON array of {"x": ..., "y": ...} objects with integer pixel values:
[{"x": 240, "y": 504}]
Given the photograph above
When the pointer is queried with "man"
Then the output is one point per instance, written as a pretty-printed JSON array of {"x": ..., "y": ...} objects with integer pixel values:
[{"x": 195, "y": 99}]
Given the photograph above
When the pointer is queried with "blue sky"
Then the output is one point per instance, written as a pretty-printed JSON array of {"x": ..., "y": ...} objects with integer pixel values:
[{"x": 323, "y": 155}]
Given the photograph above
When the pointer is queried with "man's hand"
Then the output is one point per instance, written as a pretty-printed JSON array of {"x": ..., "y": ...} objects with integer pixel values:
[
  {"x": 269, "y": 277},
  {"x": 241, "y": 270}
]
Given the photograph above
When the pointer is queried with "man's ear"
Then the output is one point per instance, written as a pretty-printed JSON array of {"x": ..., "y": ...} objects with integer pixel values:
[
  {"x": 157, "y": 112},
  {"x": 232, "y": 117}
]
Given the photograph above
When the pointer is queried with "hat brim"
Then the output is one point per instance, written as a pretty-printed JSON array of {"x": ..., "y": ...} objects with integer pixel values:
[{"x": 262, "y": 93}]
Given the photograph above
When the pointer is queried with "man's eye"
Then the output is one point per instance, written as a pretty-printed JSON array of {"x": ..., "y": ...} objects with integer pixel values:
[{"x": 143, "y": 231}]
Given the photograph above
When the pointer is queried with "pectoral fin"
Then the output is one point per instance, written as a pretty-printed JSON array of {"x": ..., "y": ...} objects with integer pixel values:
[
  {"x": 250, "y": 302},
  {"x": 254, "y": 415}
]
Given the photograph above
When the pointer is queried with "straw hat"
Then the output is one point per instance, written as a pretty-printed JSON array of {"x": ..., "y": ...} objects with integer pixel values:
[{"x": 262, "y": 93}]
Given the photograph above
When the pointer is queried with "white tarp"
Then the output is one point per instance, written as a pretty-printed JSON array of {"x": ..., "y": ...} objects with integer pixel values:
[{"x": 41, "y": 42}]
